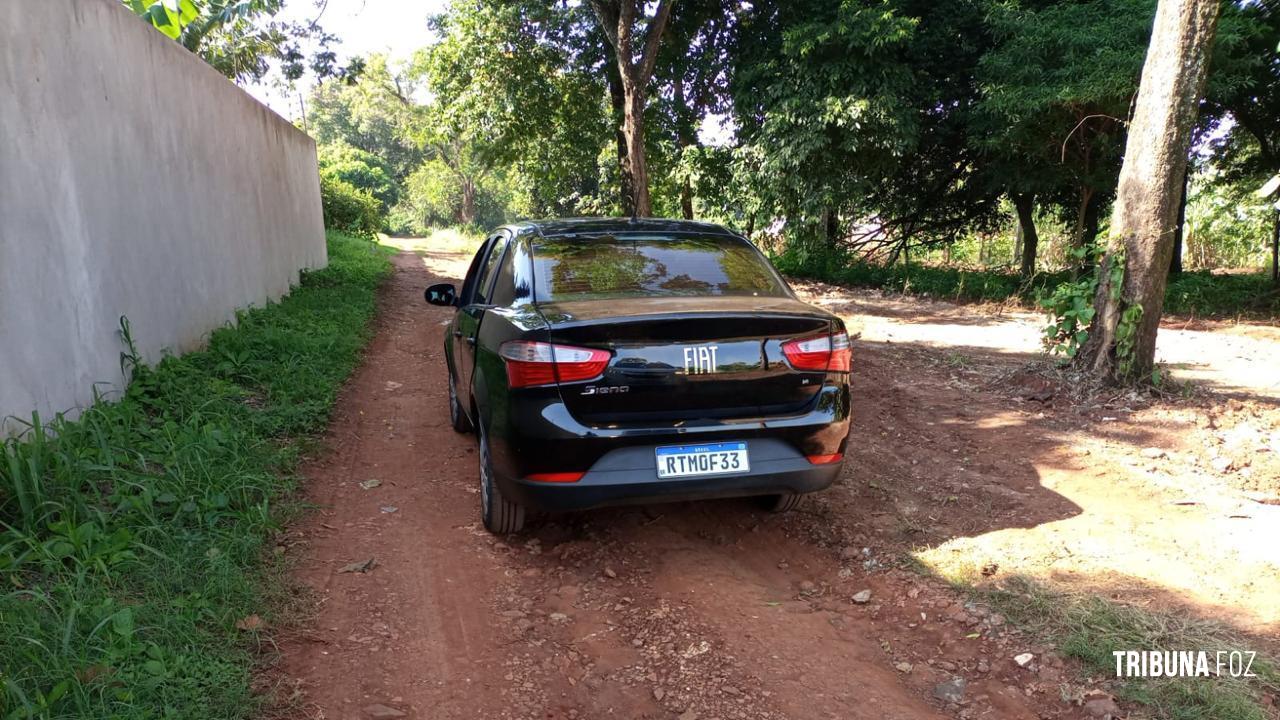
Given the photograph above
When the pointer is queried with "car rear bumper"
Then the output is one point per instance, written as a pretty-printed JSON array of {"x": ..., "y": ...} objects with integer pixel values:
[
  {"x": 627, "y": 487},
  {"x": 620, "y": 464}
]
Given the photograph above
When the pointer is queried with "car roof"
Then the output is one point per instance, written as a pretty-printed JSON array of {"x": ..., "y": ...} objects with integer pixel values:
[{"x": 617, "y": 226}]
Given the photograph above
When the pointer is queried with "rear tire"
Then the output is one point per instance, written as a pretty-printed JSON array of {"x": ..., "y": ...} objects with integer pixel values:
[
  {"x": 500, "y": 515},
  {"x": 785, "y": 502},
  {"x": 457, "y": 418}
]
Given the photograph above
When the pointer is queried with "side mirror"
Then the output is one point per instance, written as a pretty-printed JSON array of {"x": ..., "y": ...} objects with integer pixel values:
[{"x": 442, "y": 294}]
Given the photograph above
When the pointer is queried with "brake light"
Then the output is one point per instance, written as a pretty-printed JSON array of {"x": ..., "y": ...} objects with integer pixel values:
[
  {"x": 829, "y": 353},
  {"x": 556, "y": 477},
  {"x": 537, "y": 363},
  {"x": 824, "y": 459}
]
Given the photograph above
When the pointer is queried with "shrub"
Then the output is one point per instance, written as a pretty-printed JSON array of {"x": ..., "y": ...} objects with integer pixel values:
[
  {"x": 349, "y": 209},
  {"x": 364, "y": 170}
]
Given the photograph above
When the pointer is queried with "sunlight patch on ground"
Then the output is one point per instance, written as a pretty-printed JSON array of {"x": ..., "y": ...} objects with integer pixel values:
[
  {"x": 1231, "y": 357},
  {"x": 1003, "y": 420},
  {"x": 443, "y": 240},
  {"x": 1137, "y": 540},
  {"x": 446, "y": 252}
]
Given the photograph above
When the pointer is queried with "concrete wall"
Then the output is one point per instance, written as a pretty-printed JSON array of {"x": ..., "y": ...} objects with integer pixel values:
[{"x": 134, "y": 180}]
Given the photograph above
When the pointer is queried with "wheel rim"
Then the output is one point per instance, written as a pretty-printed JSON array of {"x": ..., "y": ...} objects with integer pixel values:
[{"x": 484, "y": 474}]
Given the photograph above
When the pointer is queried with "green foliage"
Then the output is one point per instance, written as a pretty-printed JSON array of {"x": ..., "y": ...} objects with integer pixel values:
[
  {"x": 1070, "y": 305},
  {"x": 1070, "y": 309},
  {"x": 167, "y": 17},
  {"x": 1222, "y": 294},
  {"x": 361, "y": 169},
  {"x": 432, "y": 198},
  {"x": 1127, "y": 340},
  {"x": 861, "y": 109},
  {"x": 924, "y": 280},
  {"x": 521, "y": 84},
  {"x": 1055, "y": 89},
  {"x": 241, "y": 38},
  {"x": 133, "y": 538},
  {"x": 375, "y": 114},
  {"x": 348, "y": 208},
  {"x": 1228, "y": 225},
  {"x": 1202, "y": 293}
]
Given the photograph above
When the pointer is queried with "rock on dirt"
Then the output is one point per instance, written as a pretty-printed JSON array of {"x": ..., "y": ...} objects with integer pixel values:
[
  {"x": 1024, "y": 659},
  {"x": 862, "y": 597},
  {"x": 1101, "y": 706},
  {"x": 378, "y": 711},
  {"x": 362, "y": 566},
  {"x": 951, "y": 691}
]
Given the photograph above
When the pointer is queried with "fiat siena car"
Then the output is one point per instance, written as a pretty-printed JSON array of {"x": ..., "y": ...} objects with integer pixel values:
[{"x": 603, "y": 362}]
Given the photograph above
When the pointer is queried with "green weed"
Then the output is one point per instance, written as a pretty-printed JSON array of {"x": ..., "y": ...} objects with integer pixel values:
[
  {"x": 132, "y": 539},
  {"x": 1089, "y": 628}
]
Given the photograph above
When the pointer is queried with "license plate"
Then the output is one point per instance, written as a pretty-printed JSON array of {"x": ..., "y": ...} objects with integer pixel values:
[{"x": 676, "y": 461}]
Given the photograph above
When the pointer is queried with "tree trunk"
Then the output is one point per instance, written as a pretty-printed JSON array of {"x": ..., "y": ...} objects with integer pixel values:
[
  {"x": 831, "y": 226},
  {"x": 1122, "y": 337},
  {"x": 1024, "y": 203},
  {"x": 635, "y": 69},
  {"x": 633, "y": 129},
  {"x": 685, "y": 138},
  {"x": 1275, "y": 248},
  {"x": 1092, "y": 221},
  {"x": 1179, "y": 235},
  {"x": 618, "y": 100},
  {"x": 467, "y": 213},
  {"x": 686, "y": 200}
]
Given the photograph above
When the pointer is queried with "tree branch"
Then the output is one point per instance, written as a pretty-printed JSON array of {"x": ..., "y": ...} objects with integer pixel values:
[
  {"x": 651, "y": 40},
  {"x": 607, "y": 13}
]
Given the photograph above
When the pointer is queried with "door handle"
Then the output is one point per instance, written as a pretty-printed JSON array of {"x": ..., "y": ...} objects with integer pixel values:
[
  {"x": 457, "y": 333},
  {"x": 471, "y": 341}
]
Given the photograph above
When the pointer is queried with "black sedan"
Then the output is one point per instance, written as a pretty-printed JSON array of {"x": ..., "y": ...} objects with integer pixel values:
[{"x": 605, "y": 361}]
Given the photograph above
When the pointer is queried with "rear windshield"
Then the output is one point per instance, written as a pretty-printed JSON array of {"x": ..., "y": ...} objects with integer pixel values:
[{"x": 585, "y": 268}]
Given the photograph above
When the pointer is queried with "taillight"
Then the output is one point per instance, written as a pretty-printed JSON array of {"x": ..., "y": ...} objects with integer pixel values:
[
  {"x": 555, "y": 477},
  {"x": 824, "y": 459},
  {"x": 537, "y": 363},
  {"x": 829, "y": 353}
]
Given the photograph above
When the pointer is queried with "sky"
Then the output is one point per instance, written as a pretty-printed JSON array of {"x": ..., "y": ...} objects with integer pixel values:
[{"x": 395, "y": 27}]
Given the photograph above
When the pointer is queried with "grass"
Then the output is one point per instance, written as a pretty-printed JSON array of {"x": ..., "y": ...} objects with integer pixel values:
[
  {"x": 1089, "y": 628},
  {"x": 133, "y": 539},
  {"x": 1200, "y": 293}
]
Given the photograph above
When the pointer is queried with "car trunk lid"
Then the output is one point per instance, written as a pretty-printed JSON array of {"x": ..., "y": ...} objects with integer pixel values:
[{"x": 687, "y": 358}]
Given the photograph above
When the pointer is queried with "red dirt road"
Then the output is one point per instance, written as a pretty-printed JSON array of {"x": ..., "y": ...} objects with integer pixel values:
[{"x": 701, "y": 610}]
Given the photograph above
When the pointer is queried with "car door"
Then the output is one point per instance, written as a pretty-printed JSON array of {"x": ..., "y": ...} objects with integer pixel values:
[{"x": 474, "y": 302}]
